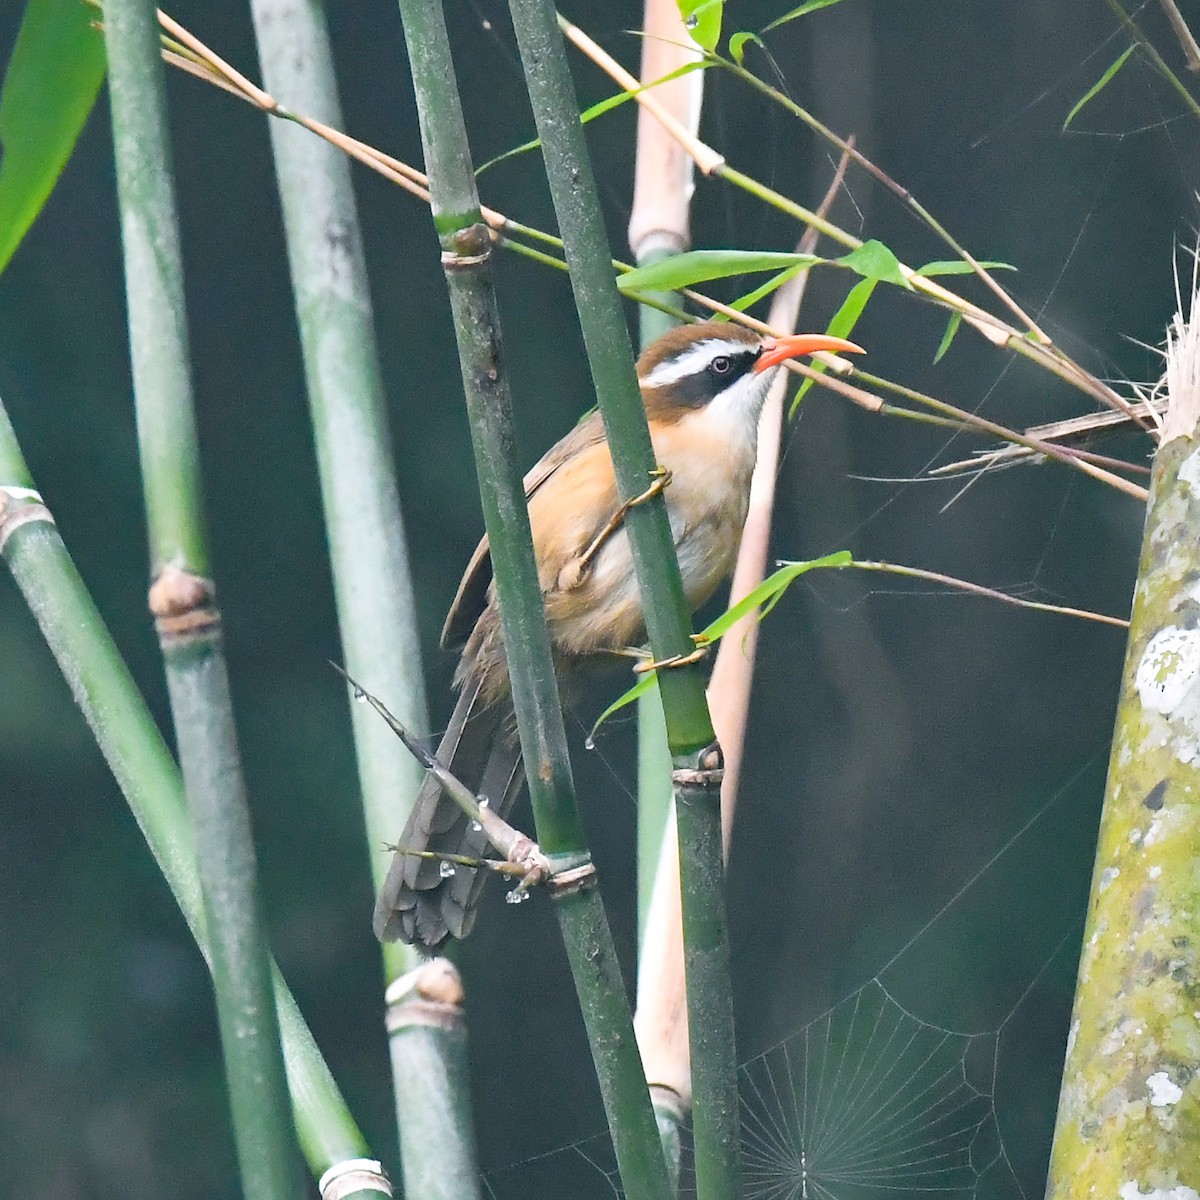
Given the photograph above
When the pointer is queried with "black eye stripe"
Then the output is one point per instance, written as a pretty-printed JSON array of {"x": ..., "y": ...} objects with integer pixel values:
[{"x": 709, "y": 380}]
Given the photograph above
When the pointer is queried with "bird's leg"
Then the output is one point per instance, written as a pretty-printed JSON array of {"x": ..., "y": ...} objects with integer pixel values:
[
  {"x": 660, "y": 478},
  {"x": 703, "y": 645},
  {"x": 676, "y": 660}
]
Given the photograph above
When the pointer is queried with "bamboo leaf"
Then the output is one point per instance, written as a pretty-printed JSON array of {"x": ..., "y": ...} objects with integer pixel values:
[
  {"x": 53, "y": 77},
  {"x": 873, "y": 260},
  {"x": 764, "y": 597},
  {"x": 750, "y": 299},
  {"x": 769, "y": 592},
  {"x": 702, "y": 20},
  {"x": 952, "y": 327},
  {"x": 802, "y": 10},
  {"x": 598, "y": 110},
  {"x": 842, "y": 325},
  {"x": 1098, "y": 86},
  {"x": 645, "y": 684},
  {"x": 956, "y": 266},
  {"x": 699, "y": 266},
  {"x": 737, "y": 45}
]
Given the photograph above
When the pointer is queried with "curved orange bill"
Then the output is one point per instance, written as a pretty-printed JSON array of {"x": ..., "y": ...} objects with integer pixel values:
[{"x": 778, "y": 350}]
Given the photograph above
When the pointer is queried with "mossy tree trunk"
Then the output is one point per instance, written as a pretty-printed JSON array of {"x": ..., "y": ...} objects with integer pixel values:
[{"x": 1129, "y": 1113}]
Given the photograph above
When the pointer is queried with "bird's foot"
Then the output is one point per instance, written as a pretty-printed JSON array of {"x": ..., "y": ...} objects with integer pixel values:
[
  {"x": 675, "y": 660},
  {"x": 660, "y": 480}
]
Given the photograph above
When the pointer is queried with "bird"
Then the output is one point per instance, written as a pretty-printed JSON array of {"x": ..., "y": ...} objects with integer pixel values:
[{"x": 703, "y": 386}]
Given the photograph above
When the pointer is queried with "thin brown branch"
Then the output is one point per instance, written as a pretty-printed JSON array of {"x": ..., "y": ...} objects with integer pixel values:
[
  {"x": 210, "y": 67},
  {"x": 977, "y": 589},
  {"x": 996, "y": 430},
  {"x": 1187, "y": 40},
  {"x": 702, "y": 154},
  {"x": 1033, "y": 344},
  {"x": 517, "y": 847},
  {"x": 1058, "y": 431}
]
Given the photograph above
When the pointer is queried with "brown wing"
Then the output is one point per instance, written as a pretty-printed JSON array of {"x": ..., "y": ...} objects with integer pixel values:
[{"x": 471, "y": 598}]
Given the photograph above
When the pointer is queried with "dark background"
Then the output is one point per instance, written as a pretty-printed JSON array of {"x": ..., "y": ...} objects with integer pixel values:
[{"x": 899, "y": 740}]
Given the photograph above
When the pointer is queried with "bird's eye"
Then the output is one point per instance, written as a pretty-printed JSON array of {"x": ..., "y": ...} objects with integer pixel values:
[{"x": 720, "y": 365}]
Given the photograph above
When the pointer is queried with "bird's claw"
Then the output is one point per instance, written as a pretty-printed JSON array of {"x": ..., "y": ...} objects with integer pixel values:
[{"x": 675, "y": 660}]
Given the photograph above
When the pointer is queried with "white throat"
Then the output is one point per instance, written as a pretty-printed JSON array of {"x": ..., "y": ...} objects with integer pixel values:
[{"x": 737, "y": 409}]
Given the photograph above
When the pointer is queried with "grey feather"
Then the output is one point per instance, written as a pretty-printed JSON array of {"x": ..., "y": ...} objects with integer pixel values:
[{"x": 417, "y": 903}]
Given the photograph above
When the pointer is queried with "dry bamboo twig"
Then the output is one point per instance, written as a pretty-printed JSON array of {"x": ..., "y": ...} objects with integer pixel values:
[
  {"x": 978, "y": 589},
  {"x": 1034, "y": 344},
  {"x": 518, "y": 848},
  {"x": 1187, "y": 40},
  {"x": 1055, "y": 431},
  {"x": 663, "y": 182},
  {"x": 205, "y": 64}
]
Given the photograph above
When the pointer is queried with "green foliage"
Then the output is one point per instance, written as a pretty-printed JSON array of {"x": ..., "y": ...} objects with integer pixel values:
[
  {"x": 737, "y": 45},
  {"x": 597, "y": 110},
  {"x": 699, "y": 266},
  {"x": 952, "y": 328},
  {"x": 956, "y": 266},
  {"x": 52, "y": 81},
  {"x": 702, "y": 19},
  {"x": 872, "y": 260},
  {"x": 1099, "y": 86},
  {"x": 751, "y": 298},
  {"x": 842, "y": 325},
  {"x": 762, "y": 599},
  {"x": 800, "y": 11}
]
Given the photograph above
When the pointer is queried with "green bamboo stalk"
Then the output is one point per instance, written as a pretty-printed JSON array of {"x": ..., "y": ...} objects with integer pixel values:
[
  {"x": 1129, "y": 1112},
  {"x": 654, "y": 755},
  {"x": 466, "y": 250},
  {"x": 146, "y": 773},
  {"x": 689, "y": 730},
  {"x": 372, "y": 581},
  {"x": 427, "y": 1032},
  {"x": 181, "y": 599}
]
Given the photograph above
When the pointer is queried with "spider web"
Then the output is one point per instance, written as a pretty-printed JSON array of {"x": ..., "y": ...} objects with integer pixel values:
[
  {"x": 867, "y": 1099},
  {"x": 872, "y": 1098}
]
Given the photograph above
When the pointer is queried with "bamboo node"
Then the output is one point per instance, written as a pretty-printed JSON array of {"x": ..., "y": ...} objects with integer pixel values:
[
  {"x": 667, "y": 1100},
  {"x": 182, "y": 602},
  {"x": 573, "y": 880},
  {"x": 429, "y": 995},
  {"x": 469, "y": 247},
  {"x": 706, "y": 775},
  {"x": 453, "y": 261},
  {"x": 354, "y": 1175},
  {"x": 12, "y": 518},
  {"x": 439, "y": 980}
]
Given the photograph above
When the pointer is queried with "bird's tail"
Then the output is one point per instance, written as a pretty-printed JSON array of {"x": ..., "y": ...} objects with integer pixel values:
[{"x": 421, "y": 901}]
